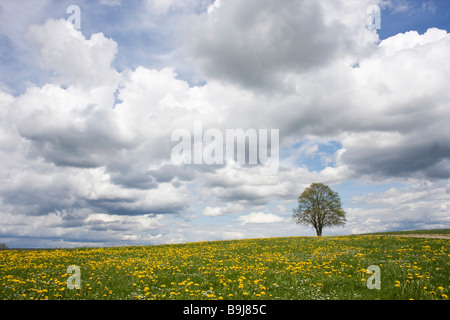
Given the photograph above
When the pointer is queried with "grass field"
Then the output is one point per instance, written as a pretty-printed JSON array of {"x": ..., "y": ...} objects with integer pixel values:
[{"x": 272, "y": 268}]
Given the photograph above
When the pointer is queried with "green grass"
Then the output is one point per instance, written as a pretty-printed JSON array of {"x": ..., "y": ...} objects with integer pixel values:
[{"x": 272, "y": 268}]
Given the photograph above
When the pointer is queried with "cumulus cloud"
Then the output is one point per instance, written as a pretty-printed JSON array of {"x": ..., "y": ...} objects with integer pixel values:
[
  {"x": 404, "y": 126},
  {"x": 255, "y": 43},
  {"x": 384, "y": 100},
  {"x": 69, "y": 126},
  {"x": 76, "y": 60},
  {"x": 74, "y": 148}
]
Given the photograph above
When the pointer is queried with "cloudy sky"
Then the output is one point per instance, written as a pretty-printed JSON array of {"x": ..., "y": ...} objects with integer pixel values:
[{"x": 87, "y": 116}]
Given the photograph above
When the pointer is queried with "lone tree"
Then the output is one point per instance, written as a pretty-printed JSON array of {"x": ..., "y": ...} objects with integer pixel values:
[{"x": 320, "y": 207}]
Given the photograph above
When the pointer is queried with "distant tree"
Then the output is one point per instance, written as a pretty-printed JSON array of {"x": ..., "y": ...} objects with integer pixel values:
[
  {"x": 3, "y": 246},
  {"x": 320, "y": 207}
]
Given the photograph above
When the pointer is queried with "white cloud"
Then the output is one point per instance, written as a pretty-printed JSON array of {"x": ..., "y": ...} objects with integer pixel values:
[
  {"x": 212, "y": 212},
  {"x": 296, "y": 37},
  {"x": 69, "y": 126},
  {"x": 259, "y": 217},
  {"x": 216, "y": 4},
  {"x": 77, "y": 61},
  {"x": 411, "y": 39}
]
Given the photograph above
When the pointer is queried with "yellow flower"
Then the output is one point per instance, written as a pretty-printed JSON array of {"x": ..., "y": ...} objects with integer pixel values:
[
  {"x": 440, "y": 288},
  {"x": 444, "y": 296}
]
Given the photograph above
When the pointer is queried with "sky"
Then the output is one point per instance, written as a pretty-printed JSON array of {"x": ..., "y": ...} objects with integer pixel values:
[{"x": 91, "y": 100}]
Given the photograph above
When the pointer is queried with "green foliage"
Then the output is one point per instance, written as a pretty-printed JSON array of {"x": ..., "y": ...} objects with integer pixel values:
[{"x": 320, "y": 207}]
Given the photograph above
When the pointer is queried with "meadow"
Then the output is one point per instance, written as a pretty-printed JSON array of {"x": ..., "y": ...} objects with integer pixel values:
[{"x": 296, "y": 268}]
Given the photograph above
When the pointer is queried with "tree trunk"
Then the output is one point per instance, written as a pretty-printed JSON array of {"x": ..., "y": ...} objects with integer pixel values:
[{"x": 319, "y": 231}]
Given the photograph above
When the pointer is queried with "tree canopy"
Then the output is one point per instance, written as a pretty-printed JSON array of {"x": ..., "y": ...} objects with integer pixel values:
[{"x": 320, "y": 207}]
